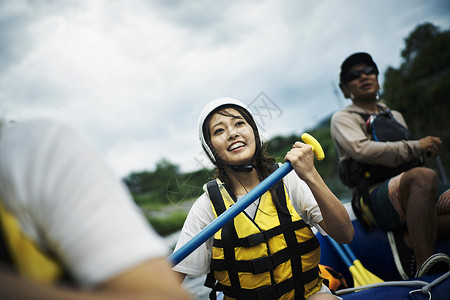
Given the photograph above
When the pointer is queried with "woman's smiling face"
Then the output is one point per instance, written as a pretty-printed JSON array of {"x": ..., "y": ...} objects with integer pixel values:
[{"x": 232, "y": 137}]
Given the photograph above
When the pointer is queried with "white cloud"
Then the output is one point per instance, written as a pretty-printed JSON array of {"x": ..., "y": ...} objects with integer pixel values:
[{"x": 133, "y": 75}]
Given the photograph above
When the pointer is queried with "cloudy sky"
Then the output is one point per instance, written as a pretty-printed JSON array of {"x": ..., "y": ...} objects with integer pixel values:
[{"x": 133, "y": 75}]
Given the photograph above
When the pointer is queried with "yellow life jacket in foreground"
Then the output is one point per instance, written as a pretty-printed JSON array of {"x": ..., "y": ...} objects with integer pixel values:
[
  {"x": 273, "y": 256},
  {"x": 22, "y": 254}
]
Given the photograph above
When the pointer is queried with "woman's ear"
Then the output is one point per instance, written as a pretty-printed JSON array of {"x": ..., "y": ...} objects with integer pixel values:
[{"x": 345, "y": 91}]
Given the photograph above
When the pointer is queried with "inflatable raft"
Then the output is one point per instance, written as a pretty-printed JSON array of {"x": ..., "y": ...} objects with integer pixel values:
[{"x": 379, "y": 257}]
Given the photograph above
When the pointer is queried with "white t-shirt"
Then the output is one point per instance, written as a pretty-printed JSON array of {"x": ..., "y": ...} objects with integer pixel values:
[
  {"x": 201, "y": 214},
  {"x": 68, "y": 201}
]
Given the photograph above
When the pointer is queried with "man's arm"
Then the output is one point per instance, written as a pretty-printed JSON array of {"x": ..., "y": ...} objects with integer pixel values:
[
  {"x": 154, "y": 277},
  {"x": 352, "y": 141},
  {"x": 150, "y": 280}
]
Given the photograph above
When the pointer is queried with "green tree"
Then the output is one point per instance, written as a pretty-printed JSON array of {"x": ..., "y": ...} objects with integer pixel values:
[
  {"x": 139, "y": 182},
  {"x": 166, "y": 185},
  {"x": 420, "y": 87},
  {"x": 154, "y": 185}
]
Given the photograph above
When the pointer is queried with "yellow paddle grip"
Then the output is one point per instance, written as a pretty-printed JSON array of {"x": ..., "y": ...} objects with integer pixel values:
[{"x": 317, "y": 148}]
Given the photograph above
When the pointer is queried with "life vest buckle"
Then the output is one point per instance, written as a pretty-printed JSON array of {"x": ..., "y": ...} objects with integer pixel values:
[
  {"x": 254, "y": 239},
  {"x": 261, "y": 265}
]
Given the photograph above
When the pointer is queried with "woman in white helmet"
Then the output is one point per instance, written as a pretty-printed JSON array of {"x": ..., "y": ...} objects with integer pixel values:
[{"x": 269, "y": 251}]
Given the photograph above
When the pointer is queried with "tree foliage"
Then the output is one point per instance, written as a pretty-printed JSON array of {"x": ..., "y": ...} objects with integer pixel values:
[
  {"x": 166, "y": 185},
  {"x": 420, "y": 87}
]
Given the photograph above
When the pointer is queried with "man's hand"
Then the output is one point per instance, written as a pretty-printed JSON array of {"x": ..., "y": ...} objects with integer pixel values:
[{"x": 430, "y": 145}]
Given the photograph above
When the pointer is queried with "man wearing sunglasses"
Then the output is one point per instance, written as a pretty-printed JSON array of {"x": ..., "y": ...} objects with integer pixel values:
[{"x": 391, "y": 188}]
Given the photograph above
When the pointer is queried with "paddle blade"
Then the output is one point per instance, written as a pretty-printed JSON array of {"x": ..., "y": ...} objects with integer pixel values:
[
  {"x": 368, "y": 276},
  {"x": 358, "y": 279},
  {"x": 365, "y": 274},
  {"x": 361, "y": 276}
]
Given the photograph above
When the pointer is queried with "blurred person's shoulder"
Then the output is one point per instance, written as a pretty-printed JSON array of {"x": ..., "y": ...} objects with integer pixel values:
[
  {"x": 37, "y": 132},
  {"x": 36, "y": 126}
]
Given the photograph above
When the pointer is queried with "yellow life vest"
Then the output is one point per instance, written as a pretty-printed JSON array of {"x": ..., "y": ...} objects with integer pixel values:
[
  {"x": 273, "y": 256},
  {"x": 23, "y": 254}
]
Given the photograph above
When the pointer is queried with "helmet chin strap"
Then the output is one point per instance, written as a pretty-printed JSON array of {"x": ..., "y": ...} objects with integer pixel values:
[
  {"x": 241, "y": 168},
  {"x": 238, "y": 168}
]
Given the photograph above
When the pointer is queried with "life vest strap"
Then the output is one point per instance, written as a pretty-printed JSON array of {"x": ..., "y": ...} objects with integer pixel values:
[
  {"x": 268, "y": 263},
  {"x": 264, "y": 236},
  {"x": 216, "y": 197},
  {"x": 270, "y": 292}
]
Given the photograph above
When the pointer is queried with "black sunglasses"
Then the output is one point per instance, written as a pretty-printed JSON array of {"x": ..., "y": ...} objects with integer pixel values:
[{"x": 357, "y": 73}]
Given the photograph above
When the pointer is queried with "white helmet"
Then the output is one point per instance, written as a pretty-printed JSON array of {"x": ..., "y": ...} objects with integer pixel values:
[{"x": 213, "y": 106}]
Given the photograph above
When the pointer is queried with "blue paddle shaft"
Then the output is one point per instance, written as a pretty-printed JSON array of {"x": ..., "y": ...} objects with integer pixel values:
[
  {"x": 230, "y": 214},
  {"x": 349, "y": 252},
  {"x": 340, "y": 251}
]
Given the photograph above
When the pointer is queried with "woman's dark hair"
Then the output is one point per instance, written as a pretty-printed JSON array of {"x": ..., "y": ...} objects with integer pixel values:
[{"x": 262, "y": 162}]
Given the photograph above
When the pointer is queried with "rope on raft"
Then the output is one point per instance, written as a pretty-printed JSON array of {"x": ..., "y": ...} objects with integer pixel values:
[{"x": 425, "y": 290}]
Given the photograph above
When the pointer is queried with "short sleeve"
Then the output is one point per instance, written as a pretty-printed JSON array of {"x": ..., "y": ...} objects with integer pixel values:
[
  {"x": 201, "y": 214},
  {"x": 303, "y": 200}
]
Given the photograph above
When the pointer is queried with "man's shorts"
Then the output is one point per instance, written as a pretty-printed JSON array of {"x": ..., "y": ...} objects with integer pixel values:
[{"x": 385, "y": 203}]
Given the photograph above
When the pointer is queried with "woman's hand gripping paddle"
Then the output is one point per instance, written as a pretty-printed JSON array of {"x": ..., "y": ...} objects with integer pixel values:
[
  {"x": 361, "y": 276},
  {"x": 242, "y": 204}
]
